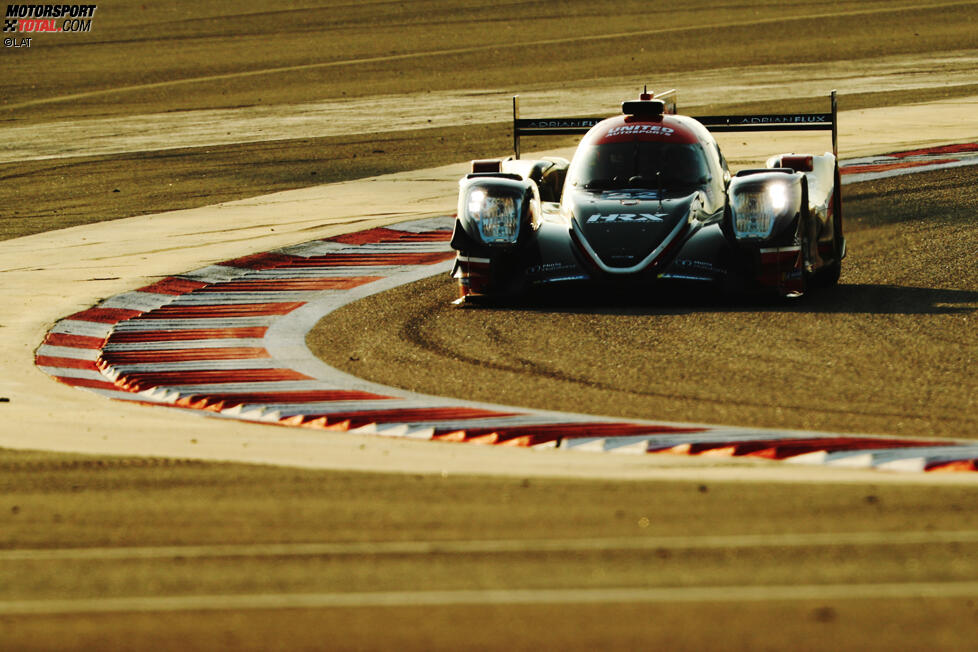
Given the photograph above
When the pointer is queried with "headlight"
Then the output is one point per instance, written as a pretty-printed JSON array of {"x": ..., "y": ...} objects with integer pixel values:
[
  {"x": 497, "y": 214},
  {"x": 755, "y": 210}
]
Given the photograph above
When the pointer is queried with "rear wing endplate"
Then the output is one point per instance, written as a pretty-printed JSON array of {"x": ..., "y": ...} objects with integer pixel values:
[{"x": 716, "y": 123}]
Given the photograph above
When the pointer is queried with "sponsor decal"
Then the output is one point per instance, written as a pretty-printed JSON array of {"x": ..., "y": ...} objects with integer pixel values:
[
  {"x": 560, "y": 123},
  {"x": 699, "y": 265},
  {"x": 638, "y": 195},
  {"x": 561, "y": 279},
  {"x": 628, "y": 130},
  {"x": 794, "y": 118},
  {"x": 550, "y": 268},
  {"x": 35, "y": 19},
  {"x": 789, "y": 119},
  {"x": 626, "y": 217}
]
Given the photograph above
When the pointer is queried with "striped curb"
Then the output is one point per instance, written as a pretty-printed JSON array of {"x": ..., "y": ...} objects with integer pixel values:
[
  {"x": 919, "y": 160},
  {"x": 228, "y": 340}
]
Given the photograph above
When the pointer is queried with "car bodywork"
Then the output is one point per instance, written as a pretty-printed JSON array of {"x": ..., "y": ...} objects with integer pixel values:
[{"x": 648, "y": 197}]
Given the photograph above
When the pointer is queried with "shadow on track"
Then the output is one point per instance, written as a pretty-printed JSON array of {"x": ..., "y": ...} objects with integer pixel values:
[{"x": 871, "y": 299}]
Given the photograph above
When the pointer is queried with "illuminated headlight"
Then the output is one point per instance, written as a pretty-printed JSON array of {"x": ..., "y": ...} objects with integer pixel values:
[
  {"x": 496, "y": 213},
  {"x": 755, "y": 210}
]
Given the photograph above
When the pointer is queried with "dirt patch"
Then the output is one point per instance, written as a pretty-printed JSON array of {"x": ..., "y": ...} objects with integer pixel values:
[{"x": 189, "y": 56}]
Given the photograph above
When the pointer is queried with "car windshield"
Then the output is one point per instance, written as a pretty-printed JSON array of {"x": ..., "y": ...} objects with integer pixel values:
[{"x": 639, "y": 164}]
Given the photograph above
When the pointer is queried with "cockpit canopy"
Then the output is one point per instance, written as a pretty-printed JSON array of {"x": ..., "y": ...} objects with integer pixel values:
[{"x": 675, "y": 168}]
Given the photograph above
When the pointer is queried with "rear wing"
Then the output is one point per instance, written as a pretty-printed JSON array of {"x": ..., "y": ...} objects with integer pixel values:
[{"x": 716, "y": 123}]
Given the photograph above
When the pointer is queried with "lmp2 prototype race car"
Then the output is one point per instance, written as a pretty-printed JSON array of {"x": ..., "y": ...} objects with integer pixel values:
[{"x": 647, "y": 197}]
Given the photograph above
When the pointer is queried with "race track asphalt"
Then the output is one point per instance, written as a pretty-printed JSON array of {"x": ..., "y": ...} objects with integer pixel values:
[{"x": 890, "y": 350}]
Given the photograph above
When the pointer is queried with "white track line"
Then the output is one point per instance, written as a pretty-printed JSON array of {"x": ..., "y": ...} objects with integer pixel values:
[
  {"x": 448, "y": 598},
  {"x": 498, "y": 546}
]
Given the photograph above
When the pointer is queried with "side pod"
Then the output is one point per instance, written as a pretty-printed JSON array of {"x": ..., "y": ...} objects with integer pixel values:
[
  {"x": 768, "y": 218},
  {"x": 497, "y": 211}
]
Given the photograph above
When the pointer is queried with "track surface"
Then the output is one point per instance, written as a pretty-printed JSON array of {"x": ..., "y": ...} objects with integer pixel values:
[
  {"x": 221, "y": 339},
  {"x": 889, "y": 351}
]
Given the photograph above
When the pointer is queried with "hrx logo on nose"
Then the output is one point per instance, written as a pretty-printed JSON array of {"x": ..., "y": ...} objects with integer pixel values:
[{"x": 626, "y": 217}]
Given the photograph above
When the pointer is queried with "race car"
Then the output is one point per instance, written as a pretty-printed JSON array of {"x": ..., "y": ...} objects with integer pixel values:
[{"x": 648, "y": 197}]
